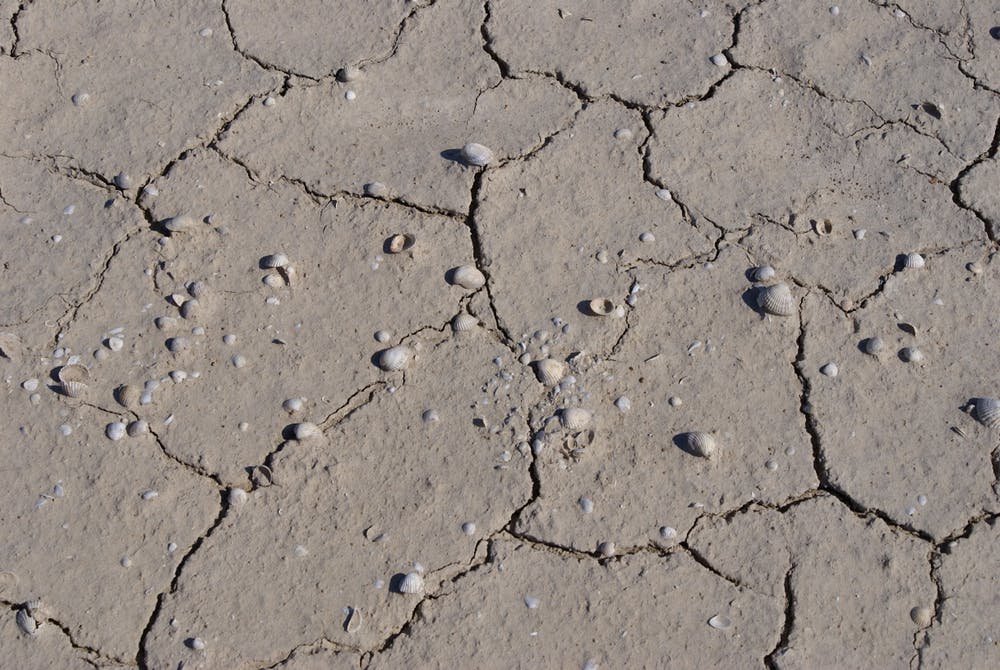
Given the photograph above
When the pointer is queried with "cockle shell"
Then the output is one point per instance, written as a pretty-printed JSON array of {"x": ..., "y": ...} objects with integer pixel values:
[
  {"x": 26, "y": 622},
  {"x": 400, "y": 242},
  {"x": 913, "y": 261},
  {"x": 304, "y": 430},
  {"x": 73, "y": 373},
  {"x": 467, "y": 276},
  {"x": 763, "y": 273},
  {"x": 237, "y": 496},
  {"x": 776, "y": 299},
  {"x": 600, "y": 307},
  {"x": 115, "y": 431},
  {"x": 911, "y": 354},
  {"x": 575, "y": 418},
  {"x": 189, "y": 309},
  {"x": 137, "y": 428},
  {"x": 872, "y": 345},
  {"x": 699, "y": 444},
  {"x": 464, "y": 322},
  {"x": 549, "y": 371},
  {"x": 72, "y": 389},
  {"x": 180, "y": 223},
  {"x": 128, "y": 396},
  {"x": 477, "y": 154},
  {"x": 395, "y": 358},
  {"x": 274, "y": 261},
  {"x": 412, "y": 583},
  {"x": 988, "y": 411}
]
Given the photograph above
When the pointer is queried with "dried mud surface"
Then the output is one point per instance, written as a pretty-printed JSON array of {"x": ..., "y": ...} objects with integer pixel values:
[{"x": 451, "y": 456}]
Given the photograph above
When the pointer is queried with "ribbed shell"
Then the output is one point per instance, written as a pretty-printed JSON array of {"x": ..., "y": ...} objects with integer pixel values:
[
  {"x": 274, "y": 261},
  {"x": 304, "y": 430},
  {"x": 179, "y": 223},
  {"x": 128, "y": 396},
  {"x": 412, "y": 583},
  {"x": 395, "y": 358},
  {"x": 464, "y": 322},
  {"x": 575, "y": 418},
  {"x": 477, "y": 154},
  {"x": 913, "y": 261},
  {"x": 699, "y": 444},
  {"x": 137, "y": 428},
  {"x": 26, "y": 623},
  {"x": 549, "y": 371},
  {"x": 872, "y": 345},
  {"x": 468, "y": 276},
  {"x": 74, "y": 373},
  {"x": 988, "y": 412},
  {"x": 776, "y": 299},
  {"x": 73, "y": 389}
]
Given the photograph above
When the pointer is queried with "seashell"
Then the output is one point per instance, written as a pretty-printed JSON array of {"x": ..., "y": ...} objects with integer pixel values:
[
  {"x": 177, "y": 344},
  {"x": 699, "y": 444},
  {"x": 123, "y": 181},
  {"x": 274, "y": 261},
  {"x": 289, "y": 274},
  {"x": 137, "y": 428},
  {"x": 353, "y": 621},
  {"x": 913, "y": 261},
  {"x": 195, "y": 643},
  {"x": 273, "y": 281},
  {"x": 872, "y": 345},
  {"x": 477, "y": 154},
  {"x": 549, "y": 371},
  {"x": 400, "y": 242},
  {"x": 467, "y": 276},
  {"x": 115, "y": 431},
  {"x": 763, "y": 273},
  {"x": 165, "y": 322},
  {"x": 304, "y": 430},
  {"x": 190, "y": 308},
  {"x": 237, "y": 496},
  {"x": 987, "y": 411},
  {"x": 776, "y": 299},
  {"x": 197, "y": 289},
  {"x": 115, "y": 343},
  {"x": 180, "y": 223},
  {"x": 128, "y": 396},
  {"x": 292, "y": 405},
  {"x": 261, "y": 476},
  {"x": 376, "y": 189},
  {"x": 922, "y": 616},
  {"x": 26, "y": 622},
  {"x": 830, "y": 369},
  {"x": 531, "y": 602},
  {"x": 395, "y": 358},
  {"x": 600, "y": 307},
  {"x": 348, "y": 73},
  {"x": 73, "y": 373},
  {"x": 575, "y": 418},
  {"x": 720, "y": 622},
  {"x": 72, "y": 389},
  {"x": 606, "y": 549},
  {"x": 464, "y": 322},
  {"x": 412, "y": 583},
  {"x": 911, "y": 355},
  {"x": 177, "y": 376}
]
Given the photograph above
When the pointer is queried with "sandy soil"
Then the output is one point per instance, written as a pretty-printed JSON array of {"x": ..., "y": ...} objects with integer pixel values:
[{"x": 690, "y": 365}]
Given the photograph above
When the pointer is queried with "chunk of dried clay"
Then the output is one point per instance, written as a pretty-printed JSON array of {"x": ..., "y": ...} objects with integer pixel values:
[
  {"x": 412, "y": 583},
  {"x": 467, "y": 276},
  {"x": 395, "y": 358},
  {"x": 575, "y": 418},
  {"x": 477, "y": 154},
  {"x": 464, "y": 322},
  {"x": 776, "y": 299},
  {"x": 549, "y": 371},
  {"x": 698, "y": 444},
  {"x": 400, "y": 242}
]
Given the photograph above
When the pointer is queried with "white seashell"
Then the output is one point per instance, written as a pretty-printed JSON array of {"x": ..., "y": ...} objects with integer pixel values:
[
  {"x": 469, "y": 528},
  {"x": 115, "y": 431},
  {"x": 600, "y": 307},
  {"x": 274, "y": 261},
  {"x": 237, "y": 496},
  {"x": 668, "y": 533},
  {"x": 165, "y": 322},
  {"x": 763, "y": 273},
  {"x": 911, "y": 354},
  {"x": 115, "y": 343},
  {"x": 123, "y": 181},
  {"x": 575, "y": 418},
  {"x": 376, "y": 189},
  {"x": 304, "y": 430},
  {"x": 292, "y": 405},
  {"x": 531, "y": 602},
  {"x": 412, "y": 583},
  {"x": 776, "y": 299},
  {"x": 913, "y": 261},
  {"x": 177, "y": 376},
  {"x": 137, "y": 428},
  {"x": 549, "y": 371},
  {"x": 399, "y": 243},
  {"x": 273, "y": 280},
  {"x": 830, "y": 369},
  {"x": 430, "y": 416},
  {"x": 190, "y": 308},
  {"x": 180, "y": 223},
  {"x": 72, "y": 389},
  {"x": 348, "y": 73},
  {"x": 872, "y": 345},
  {"x": 586, "y": 505},
  {"x": 719, "y": 60},
  {"x": 382, "y": 336},
  {"x": 477, "y": 154},
  {"x": 988, "y": 411},
  {"x": 149, "y": 494},
  {"x": 73, "y": 373},
  {"x": 395, "y": 358},
  {"x": 467, "y": 276},
  {"x": 606, "y": 549},
  {"x": 721, "y": 622},
  {"x": 699, "y": 444},
  {"x": 128, "y": 396},
  {"x": 195, "y": 643},
  {"x": 177, "y": 344},
  {"x": 922, "y": 616},
  {"x": 26, "y": 622},
  {"x": 464, "y": 322}
]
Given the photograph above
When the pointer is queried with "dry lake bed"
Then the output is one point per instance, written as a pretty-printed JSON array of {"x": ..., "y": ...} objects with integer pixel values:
[{"x": 523, "y": 334}]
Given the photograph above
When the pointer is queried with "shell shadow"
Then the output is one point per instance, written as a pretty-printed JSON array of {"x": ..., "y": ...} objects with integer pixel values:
[
  {"x": 396, "y": 583},
  {"x": 995, "y": 32},
  {"x": 900, "y": 263},
  {"x": 455, "y": 156},
  {"x": 750, "y": 297},
  {"x": 682, "y": 443},
  {"x": 584, "y": 308}
]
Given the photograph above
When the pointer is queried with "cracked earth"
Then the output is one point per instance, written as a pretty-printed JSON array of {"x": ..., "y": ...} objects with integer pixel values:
[{"x": 211, "y": 461}]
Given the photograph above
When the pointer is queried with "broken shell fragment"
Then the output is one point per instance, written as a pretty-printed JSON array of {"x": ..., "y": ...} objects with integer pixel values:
[
  {"x": 376, "y": 189},
  {"x": 776, "y": 299},
  {"x": 600, "y": 307},
  {"x": 464, "y": 322},
  {"x": 698, "y": 444},
  {"x": 399, "y": 243},
  {"x": 304, "y": 430},
  {"x": 72, "y": 389},
  {"x": 274, "y": 261},
  {"x": 353, "y": 621},
  {"x": 987, "y": 411},
  {"x": 395, "y": 358},
  {"x": 824, "y": 227},
  {"x": 412, "y": 583},
  {"x": 549, "y": 371},
  {"x": 477, "y": 154},
  {"x": 237, "y": 496},
  {"x": 575, "y": 418},
  {"x": 467, "y": 276},
  {"x": 128, "y": 396}
]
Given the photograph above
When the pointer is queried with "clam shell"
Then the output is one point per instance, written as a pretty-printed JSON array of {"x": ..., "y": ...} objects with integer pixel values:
[
  {"x": 464, "y": 322},
  {"x": 261, "y": 476},
  {"x": 763, "y": 273},
  {"x": 913, "y": 261},
  {"x": 776, "y": 299},
  {"x": 824, "y": 227},
  {"x": 237, "y": 496},
  {"x": 179, "y": 223},
  {"x": 477, "y": 154},
  {"x": 699, "y": 444},
  {"x": 922, "y": 616},
  {"x": 189, "y": 309},
  {"x": 26, "y": 622},
  {"x": 911, "y": 354},
  {"x": 137, "y": 428},
  {"x": 549, "y": 371},
  {"x": 304, "y": 430},
  {"x": 400, "y": 242},
  {"x": 115, "y": 431},
  {"x": 73, "y": 373},
  {"x": 72, "y": 389},
  {"x": 467, "y": 276},
  {"x": 988, "y": 412},
  {"x": 872, "y": 345},
  {"x": 412, "y": 583},
  {"x": 395, "y": 358},
  {"x": 575, "y": 418},
  {"x": 600, "y": 307},
  {"x": 10, "y": 346},
  {"x": 376, "y": 189},
  {"x": 128, "y": 396},
  {"x": 273, "y": 261}
]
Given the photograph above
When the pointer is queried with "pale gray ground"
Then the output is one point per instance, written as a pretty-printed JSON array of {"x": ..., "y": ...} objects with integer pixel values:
[{"x": 845, "y": 520}]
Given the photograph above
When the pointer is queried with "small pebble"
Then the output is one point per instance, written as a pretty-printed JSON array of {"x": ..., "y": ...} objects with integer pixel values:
[
  {"x": 623, "y": 403},
  {"x": 674, "y": 401},
  {"x": 531, "y": 602},
  {"x": 125, "y": 562},
  {"x": 921, "y": 499},
  {"x": 623, "y": 134},
  {"x": 587, "y": 505},
  {"x": 238, "y": 361},
  {"x": 350, "y": 95},
  {"x": 835, "y": 10},
  {"x": 771, "y": 464},
  {"x": 469, "y": 528},
  {"x": 719, "y": 60},
  {"x": 830, "y": 369},
  {"x": 228, "y": 339},
  {"x": 29, "y": 385}
]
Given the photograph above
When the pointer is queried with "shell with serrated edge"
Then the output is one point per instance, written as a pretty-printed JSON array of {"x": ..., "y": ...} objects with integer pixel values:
[
  {"x": 699, "y": 443},
  {"x": 776, "y": 299},
  {"x": 549, "y": 371},
  {"x": 988, "y": 412},
  {"x": 464, "y": 322},
  {"x": 575, "y": 418}
]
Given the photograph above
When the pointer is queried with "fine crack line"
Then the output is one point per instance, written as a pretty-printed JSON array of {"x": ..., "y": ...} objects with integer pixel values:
[
  {"x": 787, "y": 626},
  {"x": 93, "y": 655}
]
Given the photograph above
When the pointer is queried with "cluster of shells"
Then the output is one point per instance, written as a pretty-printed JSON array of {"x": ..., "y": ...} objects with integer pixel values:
[{"x": 774, "y": 299}]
